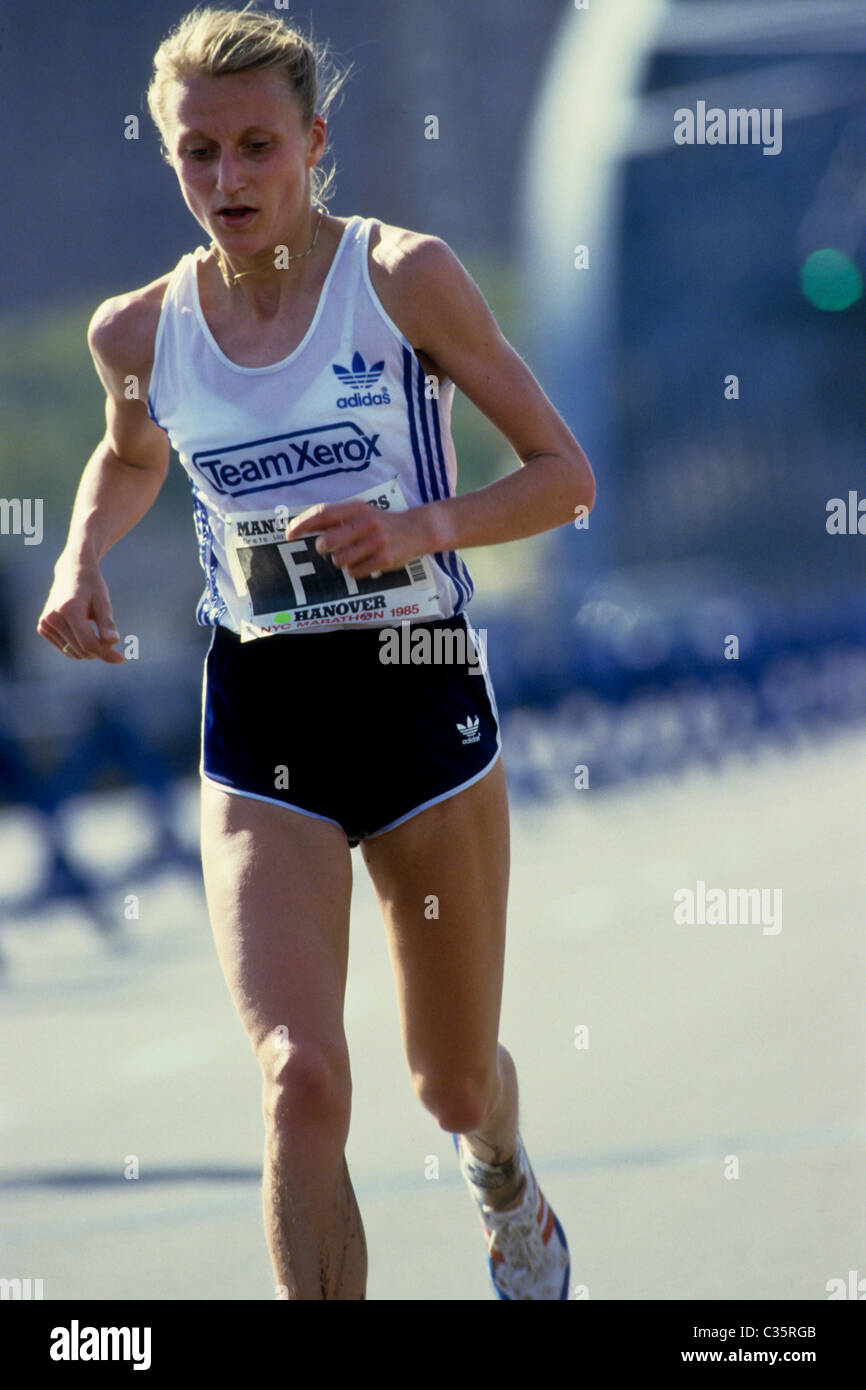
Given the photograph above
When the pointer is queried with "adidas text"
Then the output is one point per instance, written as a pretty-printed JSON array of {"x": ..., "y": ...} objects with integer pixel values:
[
  {"x": 471, "y": 729},
  {"x": 382, "y": 397}
]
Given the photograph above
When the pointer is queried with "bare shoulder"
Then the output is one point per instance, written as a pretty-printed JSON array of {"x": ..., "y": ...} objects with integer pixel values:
[
  {"x": 406, "y": 269},
  {"x": 122, "y": 332},
  {"x": 403, "y": 259},
  {"x": 395, "y": 248}
]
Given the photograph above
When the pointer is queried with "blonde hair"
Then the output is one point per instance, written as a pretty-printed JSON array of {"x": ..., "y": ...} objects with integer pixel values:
[{"x": 210, "y": 42}]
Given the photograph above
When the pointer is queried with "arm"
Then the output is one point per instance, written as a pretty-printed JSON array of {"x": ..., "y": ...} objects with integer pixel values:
[
  {"x": 457, "y": 330},
  {"x": 119, "y": 484}
]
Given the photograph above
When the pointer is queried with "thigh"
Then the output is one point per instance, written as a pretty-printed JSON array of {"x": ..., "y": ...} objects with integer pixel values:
[
  {"x": 278, "y": 887},
  {"x": 441, "y": 879}
]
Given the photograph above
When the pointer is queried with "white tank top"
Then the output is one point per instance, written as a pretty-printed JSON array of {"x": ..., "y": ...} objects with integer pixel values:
[{"x": 345, "y": 414}]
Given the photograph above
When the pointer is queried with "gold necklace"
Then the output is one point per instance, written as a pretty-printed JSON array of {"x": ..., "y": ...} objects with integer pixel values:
[{"x": 298, "y": 256}]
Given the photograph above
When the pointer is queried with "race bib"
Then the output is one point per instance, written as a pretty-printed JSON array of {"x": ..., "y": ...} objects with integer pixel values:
[{"x": 287, "y": 586}]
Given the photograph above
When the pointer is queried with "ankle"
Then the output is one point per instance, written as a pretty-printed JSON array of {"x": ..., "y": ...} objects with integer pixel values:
[
  {"x": 508, "y": 1197},
  {"x": 500, "y": 1183}
]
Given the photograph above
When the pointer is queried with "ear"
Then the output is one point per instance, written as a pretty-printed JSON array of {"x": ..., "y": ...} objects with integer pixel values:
[{"x": 318, "y": 139}]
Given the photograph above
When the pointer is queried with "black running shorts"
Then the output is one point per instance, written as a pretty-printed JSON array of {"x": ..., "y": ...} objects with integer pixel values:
[{"x": 316, "y": 721}]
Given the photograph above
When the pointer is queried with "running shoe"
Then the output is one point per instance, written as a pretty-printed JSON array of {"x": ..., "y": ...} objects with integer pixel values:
[{"x": 527, "y": 1253}]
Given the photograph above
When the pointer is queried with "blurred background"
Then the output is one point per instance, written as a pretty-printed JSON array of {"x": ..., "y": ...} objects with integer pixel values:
[{"x": 696, "y": 313}]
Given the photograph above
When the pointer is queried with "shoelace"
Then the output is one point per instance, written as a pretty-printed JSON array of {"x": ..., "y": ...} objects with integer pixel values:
[
  {"x": 515, "y": 1234},
  {"x": 516, "y": 1242}
]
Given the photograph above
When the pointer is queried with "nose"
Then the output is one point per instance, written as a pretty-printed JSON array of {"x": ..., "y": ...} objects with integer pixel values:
[{"x": 230, "y": 179}]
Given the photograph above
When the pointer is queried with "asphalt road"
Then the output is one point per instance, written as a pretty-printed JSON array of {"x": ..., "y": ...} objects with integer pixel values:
[{"x": 707, "y": 1143}]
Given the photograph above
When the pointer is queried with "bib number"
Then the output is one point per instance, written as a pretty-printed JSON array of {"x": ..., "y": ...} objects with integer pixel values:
[{"x": 287, "y": 586}]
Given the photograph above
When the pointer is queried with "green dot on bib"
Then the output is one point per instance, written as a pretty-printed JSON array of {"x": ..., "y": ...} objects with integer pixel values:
[{"x": 282, "y": 617}]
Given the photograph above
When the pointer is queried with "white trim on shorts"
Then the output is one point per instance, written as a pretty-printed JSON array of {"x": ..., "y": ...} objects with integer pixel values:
[
  {"x": 314, "y": 815},
  {"x": 436, "y": 799},
  {"x": 271, "y": 800}
]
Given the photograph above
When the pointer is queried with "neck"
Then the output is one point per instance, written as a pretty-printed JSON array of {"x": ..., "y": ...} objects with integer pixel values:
[{"x": 258, "y": 277}]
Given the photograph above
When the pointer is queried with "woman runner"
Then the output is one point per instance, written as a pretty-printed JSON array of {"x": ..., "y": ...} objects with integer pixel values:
[{"x": 303, "y": 366}]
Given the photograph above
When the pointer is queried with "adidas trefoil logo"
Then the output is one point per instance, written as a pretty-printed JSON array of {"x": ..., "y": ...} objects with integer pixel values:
[
  {"x": 358, "y": 381},
  {"x": 361, "y": 374},
  {"x": 470, "y": 730}
]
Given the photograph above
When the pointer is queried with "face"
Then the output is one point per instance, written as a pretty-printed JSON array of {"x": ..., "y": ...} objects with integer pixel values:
[{"x": 237, "y": 142}]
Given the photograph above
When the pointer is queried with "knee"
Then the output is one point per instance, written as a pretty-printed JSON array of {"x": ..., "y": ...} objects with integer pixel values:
[
  {"x": 305, "y": 1086},
  {"x": 459, "y": 1103}
]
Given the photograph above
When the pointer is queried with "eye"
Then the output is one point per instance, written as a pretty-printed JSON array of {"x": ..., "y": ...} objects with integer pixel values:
[{"x": 259, "y": 144}]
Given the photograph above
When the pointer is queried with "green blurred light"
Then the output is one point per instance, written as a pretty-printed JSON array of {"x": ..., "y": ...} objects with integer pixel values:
[{"x": 830, "y": 279}]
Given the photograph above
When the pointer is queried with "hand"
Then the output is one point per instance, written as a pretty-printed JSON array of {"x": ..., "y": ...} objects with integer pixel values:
[
  {"x": 362, "y": 540},
  {"x": 79, "y": 597}
]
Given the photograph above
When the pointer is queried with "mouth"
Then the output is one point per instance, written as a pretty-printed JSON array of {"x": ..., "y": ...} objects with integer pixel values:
[{"x": 236, "y": 215}]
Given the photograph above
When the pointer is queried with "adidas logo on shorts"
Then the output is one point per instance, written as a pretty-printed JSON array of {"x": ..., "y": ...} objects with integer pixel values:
[{"x": 470, "y": 730}]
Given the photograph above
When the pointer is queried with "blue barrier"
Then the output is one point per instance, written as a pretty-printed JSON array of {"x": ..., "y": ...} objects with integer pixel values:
[
  {"x": 109, "y": 745},
  {"x": 627, "y": 687}
]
